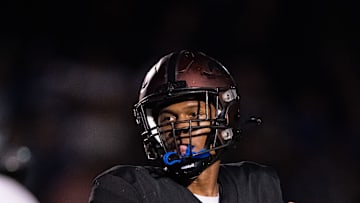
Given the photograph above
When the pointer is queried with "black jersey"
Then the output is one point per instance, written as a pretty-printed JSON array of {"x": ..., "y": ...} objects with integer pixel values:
[{"x": 243, "y": 182}]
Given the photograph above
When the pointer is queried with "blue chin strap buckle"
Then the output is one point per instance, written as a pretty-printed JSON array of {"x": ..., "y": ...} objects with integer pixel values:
[{"x": 171, "y": 158}]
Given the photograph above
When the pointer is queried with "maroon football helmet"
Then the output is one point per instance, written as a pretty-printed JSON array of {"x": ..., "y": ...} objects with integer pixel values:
[{"x": 181, "y": 76}]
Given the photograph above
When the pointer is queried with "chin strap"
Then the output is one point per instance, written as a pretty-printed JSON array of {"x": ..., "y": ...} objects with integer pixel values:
[{"x": 171, "y": 158}]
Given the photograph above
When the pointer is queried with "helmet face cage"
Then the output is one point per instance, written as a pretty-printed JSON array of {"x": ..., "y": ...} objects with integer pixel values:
[
  {"x": 156, "y": 139},
  {"x": 184, "y": 76}
]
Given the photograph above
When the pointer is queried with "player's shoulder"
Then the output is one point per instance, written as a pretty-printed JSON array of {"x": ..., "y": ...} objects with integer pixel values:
[
  {"x": 129, "y": 172},
  {"x": 120, "y": 170},
  {"x": 248, "y": 168},
  {"x": 250, "y": 180}
]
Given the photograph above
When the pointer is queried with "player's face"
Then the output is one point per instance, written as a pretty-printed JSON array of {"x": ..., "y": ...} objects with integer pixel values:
[{"x": 184, "y": 116}]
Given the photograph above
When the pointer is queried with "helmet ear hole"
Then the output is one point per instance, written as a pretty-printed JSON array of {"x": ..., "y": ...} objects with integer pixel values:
[
  {"x": 150, "y": 150},
  {"x": 233, "y": 115}
]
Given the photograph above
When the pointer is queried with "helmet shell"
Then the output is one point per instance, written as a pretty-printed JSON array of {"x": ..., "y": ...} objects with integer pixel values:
[{"x": 185, "y": 69}]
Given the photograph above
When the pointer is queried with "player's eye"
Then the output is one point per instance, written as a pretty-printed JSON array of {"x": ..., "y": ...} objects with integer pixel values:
[
  {"x": 194, "y": 115},
  {"x": 167, "y": 119}
]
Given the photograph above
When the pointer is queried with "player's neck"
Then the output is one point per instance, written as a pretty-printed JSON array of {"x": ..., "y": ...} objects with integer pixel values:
[{"x": 206, "y": 184}]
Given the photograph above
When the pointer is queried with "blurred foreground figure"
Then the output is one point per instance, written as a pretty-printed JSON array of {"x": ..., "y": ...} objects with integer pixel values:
[
  {"x": 12, "y": 161},
  {"x": 12, "y": 191},
  {"x": 188, "y": 112}
]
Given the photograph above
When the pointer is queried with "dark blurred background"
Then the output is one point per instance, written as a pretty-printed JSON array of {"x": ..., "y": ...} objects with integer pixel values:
[{"x": 70, "y": 72}]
